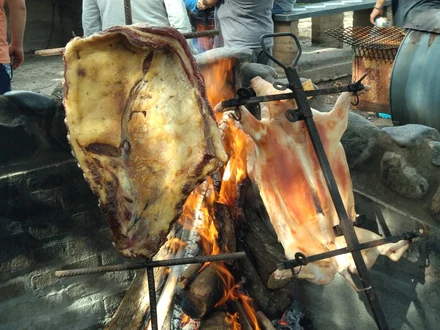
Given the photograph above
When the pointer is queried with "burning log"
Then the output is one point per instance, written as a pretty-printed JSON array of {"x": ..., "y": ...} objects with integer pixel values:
[
  {"x": 215, "y": 321},
  {"x": 202, "y": 294},
  {"x": 188, "y": 275},
  {"x": 261, "y": 243},
  {"x": 273, "y": 303},
  {"x": 225, "y": 227},
  {"x": 264, "y": 321},
  {"x": 242, "y": 315}
]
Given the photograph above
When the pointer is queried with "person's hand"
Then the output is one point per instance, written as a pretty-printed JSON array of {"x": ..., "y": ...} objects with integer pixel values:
[
  {"x": 200, "y": 5},
  {"x": 17, "y": 56},
  {"x": 376, "y": 12}
]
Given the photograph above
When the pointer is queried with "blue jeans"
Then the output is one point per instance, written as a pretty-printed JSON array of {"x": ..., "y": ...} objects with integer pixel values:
[{"x": 5, "y": 78}]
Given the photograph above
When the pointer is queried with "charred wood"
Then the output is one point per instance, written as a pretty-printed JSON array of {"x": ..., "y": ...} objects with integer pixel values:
[
  {"x": 260, "y": 240},
  {"x": 273, "y": 303},
  {"x": 215, "y": 321},
  {"x": 200, "y": 297},
  {"x": 264, "y": 322},
  {"x": 225, "y": 228},
  {"x": 188, "y": 275}
]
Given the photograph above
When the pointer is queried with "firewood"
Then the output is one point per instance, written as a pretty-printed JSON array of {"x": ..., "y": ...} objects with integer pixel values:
[
  {"x": 273, "y": 303},
  {"x": 261, "y": 243},
  {"x": 188, "y": 275},
  {"x": 242, "y": 315},
  {"x": 215, "y": 321},
  {"x": 264, "y": 322},
  {"x": 225, "y": 228},
  {"x": 135, "y": 304},
  {"x": 202, "y": 294}
]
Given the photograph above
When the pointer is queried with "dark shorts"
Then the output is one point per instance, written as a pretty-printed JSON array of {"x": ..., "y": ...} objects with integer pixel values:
[{"x": 5, "y": 78}]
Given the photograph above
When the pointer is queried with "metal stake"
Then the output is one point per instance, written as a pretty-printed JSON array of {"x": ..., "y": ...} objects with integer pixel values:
[{"x": 152, "y": 294}]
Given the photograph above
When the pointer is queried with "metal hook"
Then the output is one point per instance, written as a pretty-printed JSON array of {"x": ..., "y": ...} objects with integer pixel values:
[
  {"x": 283, "y": 34},
  {"x": 237, "y": 114},
  {"x": 357, "y": 99}
]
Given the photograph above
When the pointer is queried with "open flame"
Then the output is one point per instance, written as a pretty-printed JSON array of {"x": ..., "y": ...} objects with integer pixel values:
[{"x": 200, "y": 204}]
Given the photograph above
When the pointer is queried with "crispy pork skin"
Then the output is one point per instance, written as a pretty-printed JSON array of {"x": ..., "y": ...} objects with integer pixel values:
[
  {"x": 282, "y": 162},
  {"x": 140, "y": 127}
]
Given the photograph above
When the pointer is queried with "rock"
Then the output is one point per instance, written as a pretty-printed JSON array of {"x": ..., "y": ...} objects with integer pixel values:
[
  {"x": 26, "y": 126},
  {"x": 435, "y": 146},
  {"x": 412, "y": 135},
  {"x": 359, "y": 139},
  {"x": 435, "y": 205},
  {"x": 398, "y": 175}
]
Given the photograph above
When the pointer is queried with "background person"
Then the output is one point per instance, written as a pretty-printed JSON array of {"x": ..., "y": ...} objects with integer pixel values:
[
  {"x": 99, "y": 15},
  {"x": 11, "y": 56},
  {"x": 403, "y": 10},
  {"x": 241, "y": 23}
]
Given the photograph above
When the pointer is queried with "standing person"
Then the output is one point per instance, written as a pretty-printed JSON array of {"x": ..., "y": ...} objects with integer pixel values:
[
  {"x": 241, "y": 23},
  {"x": 11, "y": 56},
  {"x": 99, "y": 15},
  {"x": 403, "y": 10}
]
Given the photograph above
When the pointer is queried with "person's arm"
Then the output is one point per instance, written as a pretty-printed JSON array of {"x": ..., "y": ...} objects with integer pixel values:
[
  {"x": 177, "y": 16},
  {"x": 91, "y": 17},
  {"x": 17, "y": 13},
  {"x": 377, "y": 10}
]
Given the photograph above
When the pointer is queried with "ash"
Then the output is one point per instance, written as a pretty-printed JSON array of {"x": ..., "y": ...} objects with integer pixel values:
[{"x": 292, "y": 319}]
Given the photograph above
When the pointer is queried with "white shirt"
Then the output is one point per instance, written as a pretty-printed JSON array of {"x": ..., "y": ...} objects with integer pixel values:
[{"x": 99, "y": 15}]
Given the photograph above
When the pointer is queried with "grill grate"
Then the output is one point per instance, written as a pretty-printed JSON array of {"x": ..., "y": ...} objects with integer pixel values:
[{"x": 370, "y": 41}]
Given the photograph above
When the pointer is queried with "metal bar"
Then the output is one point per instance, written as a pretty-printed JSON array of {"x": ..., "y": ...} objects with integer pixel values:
[
  {"x": 346, "y": 224},
  {"x": 152, "y": 294},
  {"x": 232, "y": 103},
  {"x": 157, "y": 263},
  {"x": 200, "y": 34},
  {"x": 392, "y": 239},
  {"x": 127, "y": 12}
]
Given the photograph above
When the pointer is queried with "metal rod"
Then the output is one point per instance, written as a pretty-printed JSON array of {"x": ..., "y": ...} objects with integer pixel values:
[
  {"x": 392, "y": 239},
  {"x": 152, "y": 294},
  {"x": 201, "y": 34},
  {"x": 232, "y": 103},
  {"x": 157, "y": 263},
  {"x": 189, "y": 35}
]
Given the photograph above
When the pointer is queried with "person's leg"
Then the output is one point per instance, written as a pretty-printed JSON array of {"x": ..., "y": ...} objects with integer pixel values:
[{"x": 5, "y": 78}]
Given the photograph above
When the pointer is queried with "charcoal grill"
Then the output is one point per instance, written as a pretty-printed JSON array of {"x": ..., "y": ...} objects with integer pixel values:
[{"x": 374, "y": 51}]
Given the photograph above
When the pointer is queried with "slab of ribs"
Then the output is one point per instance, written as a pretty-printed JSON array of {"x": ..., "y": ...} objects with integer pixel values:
[
  {"x": 141, "y": 129},
  {"x": 281, "y": 161}
]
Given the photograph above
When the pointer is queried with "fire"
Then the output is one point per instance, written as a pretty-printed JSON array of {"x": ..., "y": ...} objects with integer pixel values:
[
  {"x": 219, "y": 82},
  {"x": 235, "y": 170},
  {"x": 232, "y": 321},
  {"x": 200, "y": 204}
]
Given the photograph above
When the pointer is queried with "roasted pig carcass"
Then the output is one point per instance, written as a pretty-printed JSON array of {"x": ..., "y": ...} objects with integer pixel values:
[
  {"x": 282, "y": 162},
  {"x": 141, "y": 129}
]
